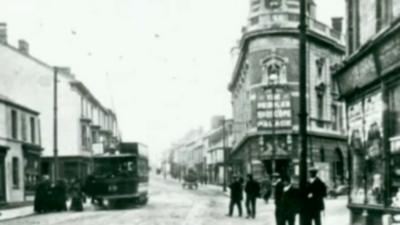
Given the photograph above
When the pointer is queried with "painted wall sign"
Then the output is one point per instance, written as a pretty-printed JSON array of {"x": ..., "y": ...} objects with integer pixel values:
[{"x": 273, "y": 111}]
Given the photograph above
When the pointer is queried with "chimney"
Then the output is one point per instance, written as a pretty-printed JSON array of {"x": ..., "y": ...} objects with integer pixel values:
[
  {"x": 3, "y": 33},
  {"x": 337, "y": 24},
  {"x": 65, "y": 70},
  {"x": 23, "y": 47}
]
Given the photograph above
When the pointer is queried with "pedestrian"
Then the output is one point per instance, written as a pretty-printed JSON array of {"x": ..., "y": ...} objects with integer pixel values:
[
  {"x": 316, "y": 192},
  {"x": 289, "y": 202},
  {"x": 266, "y": 187},
  {"x": 236, "y": 196},
  {"x": 76, "y": 197},
  {"x": 252, "y": 190},
  {"x": 59, "y": 196},
  {"x": 278, "y": 192},
  {"x": 43, "y": 195}
]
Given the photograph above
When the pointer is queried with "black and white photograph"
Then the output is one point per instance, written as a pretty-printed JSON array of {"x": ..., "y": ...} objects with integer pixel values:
[{"x": 200, "y": 112}]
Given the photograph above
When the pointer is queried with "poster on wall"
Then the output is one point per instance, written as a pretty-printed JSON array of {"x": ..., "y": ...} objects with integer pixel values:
[{"x": 273, "y": 109}]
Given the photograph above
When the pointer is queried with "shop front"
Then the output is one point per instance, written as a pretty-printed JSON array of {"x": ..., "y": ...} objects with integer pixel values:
[{"x": 370, "y": 84}]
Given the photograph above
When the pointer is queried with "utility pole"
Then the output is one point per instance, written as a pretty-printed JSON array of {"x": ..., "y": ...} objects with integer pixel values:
[
  {"x": 224, "y": 154},
  {"x": 55, "y": 125},
  {"x": 273, "y": 162},
  {"x": 303, "y": 105}
]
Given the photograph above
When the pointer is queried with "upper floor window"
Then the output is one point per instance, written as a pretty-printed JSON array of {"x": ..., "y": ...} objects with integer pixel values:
[
  {"x": 320, "y": 106},
  {"x": 33, "y": 130},
  {"x": 14, "y": 124},
  {"x": 274, "y": 71},
  {"x": 23, "y": 127},
  {"x": 273, "y": 4},
  {"x": 334, "y": 117},
  {"x": 320, "y": 66}
]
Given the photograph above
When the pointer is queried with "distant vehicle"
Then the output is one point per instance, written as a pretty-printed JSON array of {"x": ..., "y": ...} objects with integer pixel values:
[
  {"x": 121, "y": 178},
  {"x": 190, "y": 180}
]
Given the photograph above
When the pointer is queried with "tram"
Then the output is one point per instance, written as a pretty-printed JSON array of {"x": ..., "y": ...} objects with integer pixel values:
[{"x": 121, "y": 178}]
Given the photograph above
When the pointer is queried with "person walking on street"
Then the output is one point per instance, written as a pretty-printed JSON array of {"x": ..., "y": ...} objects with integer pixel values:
[
  {"x": 236, "y": 188},
  {"x": 252, "y": 190},
  {"x": 76, "y": 197},
  {"x": 60, "y": 196},
  {"x": 289, "y": 202},
  {"x": 43, "y": 195},
  {"x": 278, "y": 192},
  {"x": 316, "y": 192}
]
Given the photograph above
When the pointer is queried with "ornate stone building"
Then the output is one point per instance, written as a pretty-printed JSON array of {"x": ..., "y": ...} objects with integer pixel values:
[{"x": 265, "y": 93}]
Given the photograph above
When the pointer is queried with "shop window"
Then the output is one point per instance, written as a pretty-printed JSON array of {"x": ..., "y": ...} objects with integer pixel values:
[
  {"x": 394, "y": 116},
  {"x": 15, "y": 172},
  {"x": 14, "y": 124},
  {"x": 364, "y": 119}
]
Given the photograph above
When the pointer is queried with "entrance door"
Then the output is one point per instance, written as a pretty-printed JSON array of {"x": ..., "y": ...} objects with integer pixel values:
[{"x": 2, "y": 180}]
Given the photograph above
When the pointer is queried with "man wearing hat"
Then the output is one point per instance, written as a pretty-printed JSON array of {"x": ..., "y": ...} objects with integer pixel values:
[
  {"x": 278, "y": 193},
  {"x": 236, "y": 195},
  {"x": 316, "y": 192}
]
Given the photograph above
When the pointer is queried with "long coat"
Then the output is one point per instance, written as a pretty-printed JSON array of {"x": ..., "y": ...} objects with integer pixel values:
[
  {"x": 42, "y": 197},
  {"x": 252, "y": 189},
  {"x": 290, "y": 201},
  {"x": 278, "y": 192},
  {"x": 316, "y": 192},
  {"x": 236, "y": 191}
]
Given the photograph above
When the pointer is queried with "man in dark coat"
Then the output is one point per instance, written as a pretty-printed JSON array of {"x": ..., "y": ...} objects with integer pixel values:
[
  {"x": 278, "y": 192},
  {"x": 43, "y": 195},
  {"x": 252, "y": 190},
  {"x": 289, "y": 203},
  {"x": 236, "y": 196},
  {"x": 59, "y": 193},
  {"x": 316, "y": 192}
]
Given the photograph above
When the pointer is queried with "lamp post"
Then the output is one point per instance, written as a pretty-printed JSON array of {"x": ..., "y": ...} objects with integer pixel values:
[
  {"x": 303, "y": 105},
  {"x": 55, "y": 125}
]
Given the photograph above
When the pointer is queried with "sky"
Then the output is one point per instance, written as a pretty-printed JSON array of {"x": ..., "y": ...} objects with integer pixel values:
[{"x": 162, "y": 65}]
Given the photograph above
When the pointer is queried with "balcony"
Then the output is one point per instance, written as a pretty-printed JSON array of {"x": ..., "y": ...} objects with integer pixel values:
[{"x": 291, "y": 20}]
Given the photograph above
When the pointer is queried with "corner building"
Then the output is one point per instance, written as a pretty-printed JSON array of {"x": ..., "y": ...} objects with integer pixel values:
[{"x": 265, "y": 94}]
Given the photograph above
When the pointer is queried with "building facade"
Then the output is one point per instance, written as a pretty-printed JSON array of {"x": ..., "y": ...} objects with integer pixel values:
[
  {"x": 20, "y": 151},
  {"x": 369, "y": 83},
  {"x": 30, "y": 82},
  {"x": 265, "y": 93}
]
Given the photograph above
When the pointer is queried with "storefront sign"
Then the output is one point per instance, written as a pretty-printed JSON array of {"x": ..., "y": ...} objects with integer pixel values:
[
  {"x": 274, "y": 110},
  {"x": 389, "y": 54},
  {"x": 358, "y": 75}
]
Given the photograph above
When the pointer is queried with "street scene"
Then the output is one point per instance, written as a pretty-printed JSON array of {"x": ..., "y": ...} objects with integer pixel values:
[
  {"x": 170, "y": 204},
  {"x": 277, "y": 112}
]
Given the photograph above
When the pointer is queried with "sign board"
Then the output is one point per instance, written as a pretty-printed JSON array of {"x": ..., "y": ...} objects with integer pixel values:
[{"x": 273, "y": 109}]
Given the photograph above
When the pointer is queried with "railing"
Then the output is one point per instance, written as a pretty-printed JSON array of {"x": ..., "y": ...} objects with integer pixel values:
[{"x": 291, "y": 20}]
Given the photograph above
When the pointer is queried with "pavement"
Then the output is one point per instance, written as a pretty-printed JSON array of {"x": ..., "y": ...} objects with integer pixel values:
[{"x": 24, "y": 211}]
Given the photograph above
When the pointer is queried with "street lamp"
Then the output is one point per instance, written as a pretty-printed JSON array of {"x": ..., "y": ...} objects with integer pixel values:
[{"x": 273, "y": 78}]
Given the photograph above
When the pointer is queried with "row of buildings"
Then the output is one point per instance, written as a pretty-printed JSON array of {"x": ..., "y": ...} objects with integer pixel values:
[
  {"x": 353, "y": 101},
  {"x": 264, "y": 91},
  {"x": 27, "y": 105}
]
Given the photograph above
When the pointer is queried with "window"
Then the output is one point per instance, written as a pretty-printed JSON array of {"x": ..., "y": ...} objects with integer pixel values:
[
  {"x": 33, "y": 130},
  {"x": 15, "y": 171},
  {"x": 23, "y": 127},
  {"x": 320, "y": 66},
  {"x": 334, "y": 117},
  {"x": 320, "y": 106},
  {"x": 254, "y": 20},
  {"x": 85, "y": 137},
  {"x": 14, "y": 124},
  {"x": 273, "y": 4}
]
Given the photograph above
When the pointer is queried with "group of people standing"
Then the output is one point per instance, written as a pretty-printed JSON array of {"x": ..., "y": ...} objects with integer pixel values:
[
  {"x": 288, "y": 198},
  {"x": 252, "y": 190},
  {"x": 53, "y": 197}
]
